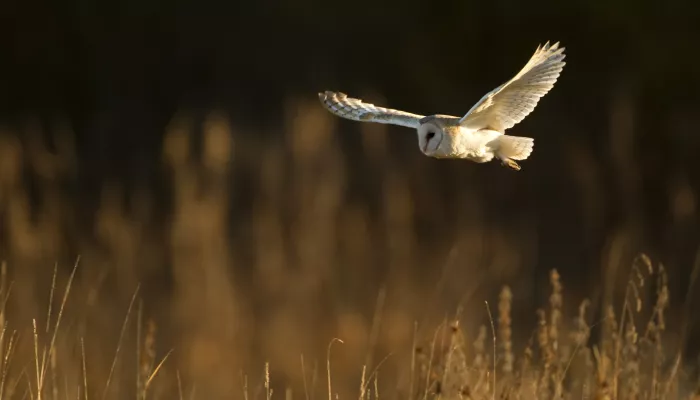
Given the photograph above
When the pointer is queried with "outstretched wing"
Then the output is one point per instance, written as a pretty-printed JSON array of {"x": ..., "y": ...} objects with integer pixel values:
[
  {"x": 511, "y": 102},
  {"x": 357, "y": 110}
]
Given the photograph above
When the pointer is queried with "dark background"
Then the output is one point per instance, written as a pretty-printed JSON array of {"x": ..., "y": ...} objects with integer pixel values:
[{"x": 613, "y": 174}]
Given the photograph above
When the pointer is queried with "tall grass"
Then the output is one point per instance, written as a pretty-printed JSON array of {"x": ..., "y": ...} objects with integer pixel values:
[{"x": 262, "y": 251}]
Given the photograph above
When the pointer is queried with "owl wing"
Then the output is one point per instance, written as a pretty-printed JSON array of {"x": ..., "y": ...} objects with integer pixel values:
[
  {"x": 357, "y": 110},
  {"x": 511, "y": 102}
]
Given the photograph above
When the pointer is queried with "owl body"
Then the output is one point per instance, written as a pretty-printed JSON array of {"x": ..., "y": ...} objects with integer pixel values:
[
  {"x": 479, "y": 135},
  {"x": 449, "y": 139}
]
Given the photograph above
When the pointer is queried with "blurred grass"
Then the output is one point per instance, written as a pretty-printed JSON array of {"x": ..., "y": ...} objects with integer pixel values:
[{"x": 386, "y": 267}]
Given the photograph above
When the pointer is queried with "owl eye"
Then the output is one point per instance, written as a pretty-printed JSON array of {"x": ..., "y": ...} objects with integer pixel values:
[{"x": 430, "y": 135}]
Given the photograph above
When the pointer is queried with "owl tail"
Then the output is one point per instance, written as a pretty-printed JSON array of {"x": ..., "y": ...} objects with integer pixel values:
[{"x": 514, "y": 147}]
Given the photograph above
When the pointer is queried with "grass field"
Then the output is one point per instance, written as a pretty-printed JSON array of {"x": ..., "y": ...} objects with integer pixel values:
[
  {"x": 269, "y": 269},
  {"x": 627, "y": 361}
]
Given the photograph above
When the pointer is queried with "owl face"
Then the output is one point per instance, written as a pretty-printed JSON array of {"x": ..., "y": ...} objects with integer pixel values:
[{"x": 430, "y": 138}]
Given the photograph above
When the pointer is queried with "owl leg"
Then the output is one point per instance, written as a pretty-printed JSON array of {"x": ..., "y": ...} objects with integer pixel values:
[{"x": 507, "y": 162}]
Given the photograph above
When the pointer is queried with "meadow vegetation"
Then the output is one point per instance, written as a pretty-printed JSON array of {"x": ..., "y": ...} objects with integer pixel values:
[{"x": 260, "y": 274}]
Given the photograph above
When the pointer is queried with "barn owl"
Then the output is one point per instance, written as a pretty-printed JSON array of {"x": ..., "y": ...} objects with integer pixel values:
[{"x": 479, "y": 135}]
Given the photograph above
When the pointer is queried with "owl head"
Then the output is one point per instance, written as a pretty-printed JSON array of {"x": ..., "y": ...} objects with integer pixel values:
[{"x": 432, "y": 138}]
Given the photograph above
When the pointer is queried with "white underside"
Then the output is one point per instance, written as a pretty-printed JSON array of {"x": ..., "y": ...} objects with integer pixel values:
[
  {"x": 483, "y": 145},
  {"x": 478, "y": 146}
]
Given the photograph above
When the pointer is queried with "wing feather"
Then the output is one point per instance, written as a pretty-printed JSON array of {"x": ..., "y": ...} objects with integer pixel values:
[
  {"x": 510, "y": 103},
  {"x": 355, "y": 109}
]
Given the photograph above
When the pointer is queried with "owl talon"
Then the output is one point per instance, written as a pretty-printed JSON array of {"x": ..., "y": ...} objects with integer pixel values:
[{"x": 507, "y": 162}]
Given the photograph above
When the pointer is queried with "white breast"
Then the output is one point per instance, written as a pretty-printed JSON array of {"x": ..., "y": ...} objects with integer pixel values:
[{"x": 472, "y": 144}]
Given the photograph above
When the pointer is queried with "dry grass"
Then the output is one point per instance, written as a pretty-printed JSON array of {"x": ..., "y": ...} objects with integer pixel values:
[
  {"x": 266, "y": 252},
  {"x": 566, "y": 363}
]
